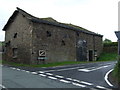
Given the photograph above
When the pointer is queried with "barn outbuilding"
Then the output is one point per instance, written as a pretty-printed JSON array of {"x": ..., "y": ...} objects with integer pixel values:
[{"x": 33, "y": 40}]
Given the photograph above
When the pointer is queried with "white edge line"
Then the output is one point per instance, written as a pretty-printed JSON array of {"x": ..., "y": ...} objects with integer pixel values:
[
  {"x": 106, "y": 78},
  {"x": 2, "y": 86},
  {"x": 101, "y": 87}
]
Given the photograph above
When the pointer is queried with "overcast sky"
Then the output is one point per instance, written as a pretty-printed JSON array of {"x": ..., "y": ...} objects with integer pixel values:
[{"x": 100, "y": 16}]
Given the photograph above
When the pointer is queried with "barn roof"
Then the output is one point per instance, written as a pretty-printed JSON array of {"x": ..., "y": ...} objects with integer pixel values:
[{"x": 49, "y": 21}]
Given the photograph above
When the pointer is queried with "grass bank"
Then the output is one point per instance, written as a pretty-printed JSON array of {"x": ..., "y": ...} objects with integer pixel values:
[
  {"x": 116, "y": 71},
  {"x": 108, "y": 57}
]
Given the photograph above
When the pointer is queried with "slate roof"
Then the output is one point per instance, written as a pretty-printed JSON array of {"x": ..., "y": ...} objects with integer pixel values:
[{"x": 49, "y": 21}]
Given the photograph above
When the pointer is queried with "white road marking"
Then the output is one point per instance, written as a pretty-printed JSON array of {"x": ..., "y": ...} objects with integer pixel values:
[
  {"x": 34, "y": 72},
  {"x": 63, "y": 69},
  {"x": 49, "y": 73},
  {"x": 23, "y": 70},
  {"x": 101, "y": 87},
  {"x": 77, "y": 84},
  {"x": 67, "y": 69},
  {"x": 13, "y": 68},
  {"x": 64, "y": 81},
  {"x": 51, "y": 77},
  {"x": 18, "y": 69},
  {"x": 86, "y": 83},
  {"x": 69, "y": 78},
  {"x": 91, "y": 69},
  {"x": 106, "y": 78},
  {"x": 59, "y": 76},
  {"x": 41, "y": 72},
  {"x": 2, "y": 86},
  {"x": 76, "y": 80},
  {"x": 27, "y": 71},
  {"x": 42, "y": 75}
]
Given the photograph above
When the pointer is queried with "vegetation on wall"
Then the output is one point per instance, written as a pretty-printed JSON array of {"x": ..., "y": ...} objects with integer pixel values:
[{"x": 116, "y": 71}]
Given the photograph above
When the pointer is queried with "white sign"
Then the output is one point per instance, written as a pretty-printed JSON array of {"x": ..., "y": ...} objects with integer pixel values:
[{"x": 42, "y": 53}]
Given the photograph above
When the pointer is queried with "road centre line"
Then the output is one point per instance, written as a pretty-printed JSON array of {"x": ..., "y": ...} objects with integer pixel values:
[
  {"x": 59, "y": 76},
  {"x": 51, "y": 77},
  {"x": 62, "y": 80},
  {"x": 69, "y": 78},
  {"x": 77, "y": 84},
  {"x": 41, "y": 72},
  {"x": 34, "y": 72},
  {"x": 18, "y": 69},
  {"x": 42, "y": 75},
  {"x": 49, "y": 73},
  {"x": 86, "y": 83},
  {"x": 27, "y": 71}
]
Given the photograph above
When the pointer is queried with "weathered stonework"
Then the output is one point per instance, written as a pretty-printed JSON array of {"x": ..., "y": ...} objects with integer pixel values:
[{"x": 26, "y": 35}]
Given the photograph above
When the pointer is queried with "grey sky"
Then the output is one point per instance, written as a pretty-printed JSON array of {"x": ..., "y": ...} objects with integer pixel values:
[{"x": 100, "y": 16}]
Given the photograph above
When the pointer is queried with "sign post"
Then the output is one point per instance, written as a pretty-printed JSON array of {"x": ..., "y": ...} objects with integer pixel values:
[{"x": 42, "y": 56}]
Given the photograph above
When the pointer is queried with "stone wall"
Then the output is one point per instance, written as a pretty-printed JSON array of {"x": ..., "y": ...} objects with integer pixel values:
[
  {"x": 59, "y": 45},
  {"x": 18, "y": 37}
]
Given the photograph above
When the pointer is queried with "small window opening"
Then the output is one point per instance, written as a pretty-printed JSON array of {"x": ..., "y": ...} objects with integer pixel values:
[
  {"x": 15, "y": 51},
  {"x": 63, "y": 43},
  {"x": 77, "y": 33},
  {"x": 15, "y": 35},
  {"x": 48, "y": 34}
]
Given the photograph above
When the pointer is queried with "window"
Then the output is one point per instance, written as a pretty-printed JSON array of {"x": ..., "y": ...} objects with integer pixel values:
[
  {"x": 77, "y": 33},
  {"x": 48, "y": 34},
  {"x": 15, "y": 35},
  {"x": 15, "y": 52},
  {"x": 63, "y": 43}
]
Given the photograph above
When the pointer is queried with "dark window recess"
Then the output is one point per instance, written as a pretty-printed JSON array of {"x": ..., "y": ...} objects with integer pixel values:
[
  {"x": 48, "y": 34},
  {"x": 63, "y": 43},
  {"x": 7, "y": 43},
  {"x": 77, "y": 33},
  {"x": 15, "y": 51},
  {"x": 15, "y": 35}
]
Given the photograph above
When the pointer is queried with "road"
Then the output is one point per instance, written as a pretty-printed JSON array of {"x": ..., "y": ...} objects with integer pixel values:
[{"x": 90, "y": 75}]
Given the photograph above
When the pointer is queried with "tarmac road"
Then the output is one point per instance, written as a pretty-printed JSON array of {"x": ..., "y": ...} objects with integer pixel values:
[{"x": 90, "y": 75}]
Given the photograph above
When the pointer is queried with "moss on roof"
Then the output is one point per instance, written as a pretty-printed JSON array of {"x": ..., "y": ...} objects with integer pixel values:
[{"x": 50, "y": 19}]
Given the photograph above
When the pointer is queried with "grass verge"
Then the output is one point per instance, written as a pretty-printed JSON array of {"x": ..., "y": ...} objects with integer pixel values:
[
  {"x": 44, "y": 65},
  {"x": 48, "y": 64}
]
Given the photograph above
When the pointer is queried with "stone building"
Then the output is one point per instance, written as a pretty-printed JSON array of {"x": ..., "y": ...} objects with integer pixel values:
[{"x": 33, "y": 40}]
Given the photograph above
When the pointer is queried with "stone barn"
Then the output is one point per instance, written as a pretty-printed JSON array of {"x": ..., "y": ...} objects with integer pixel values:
[{"x": 33, "y": 40}]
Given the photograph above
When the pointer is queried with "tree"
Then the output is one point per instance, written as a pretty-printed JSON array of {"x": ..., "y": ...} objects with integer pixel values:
[{"x": 107, "y": 41}]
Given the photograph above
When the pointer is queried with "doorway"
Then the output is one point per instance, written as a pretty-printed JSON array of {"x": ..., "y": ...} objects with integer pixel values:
[{"x": 90, "y": 55}]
